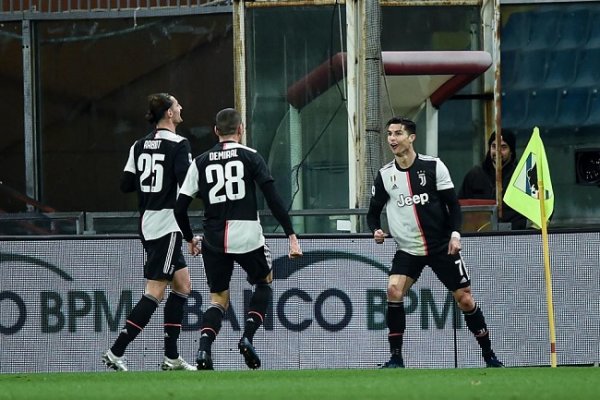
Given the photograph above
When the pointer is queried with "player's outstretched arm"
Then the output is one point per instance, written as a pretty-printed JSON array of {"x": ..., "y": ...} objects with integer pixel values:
[
  {"x": 277, "y": 207},
  {"x": 281, "y": 215}
]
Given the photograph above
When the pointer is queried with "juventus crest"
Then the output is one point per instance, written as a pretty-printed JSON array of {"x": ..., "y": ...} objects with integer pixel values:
[{"x": 422, "y": 178}]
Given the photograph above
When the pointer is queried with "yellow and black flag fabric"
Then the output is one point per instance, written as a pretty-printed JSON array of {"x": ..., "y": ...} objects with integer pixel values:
[{"x": 532, "y": 172}]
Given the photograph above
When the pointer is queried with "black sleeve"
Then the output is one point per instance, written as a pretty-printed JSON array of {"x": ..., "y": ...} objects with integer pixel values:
[
  {"x": 128, "y": 182},
  {"x": 379, "y": 198},
  {"x": 181, "y": 216},
  {"x": 374, "y": 214},
  {"x": 277, "y": 207},
  {"x": 182, "y": 161},
  {"x": 448, "y": 196}
]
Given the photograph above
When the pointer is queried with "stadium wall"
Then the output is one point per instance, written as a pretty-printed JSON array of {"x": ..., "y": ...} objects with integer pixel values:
[{"x": 63, "y": 301}]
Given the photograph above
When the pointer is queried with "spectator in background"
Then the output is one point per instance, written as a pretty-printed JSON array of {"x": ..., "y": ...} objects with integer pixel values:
[
  {"x": 480, "y": 181},
  {"x": 156, "y": 166},
  {"x": 424, "y": 219}
]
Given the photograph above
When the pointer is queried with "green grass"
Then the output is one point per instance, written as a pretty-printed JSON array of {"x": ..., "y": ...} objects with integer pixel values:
[{"x": 571, "y": 383}]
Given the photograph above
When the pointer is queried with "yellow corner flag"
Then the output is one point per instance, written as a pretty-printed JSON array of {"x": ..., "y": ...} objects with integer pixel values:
[
  {"x": 527, "y": 194},
  {"x": 522, "y": 193}
]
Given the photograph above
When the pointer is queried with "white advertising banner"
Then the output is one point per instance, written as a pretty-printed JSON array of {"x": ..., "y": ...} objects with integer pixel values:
[{"x": 64, "y": 300}]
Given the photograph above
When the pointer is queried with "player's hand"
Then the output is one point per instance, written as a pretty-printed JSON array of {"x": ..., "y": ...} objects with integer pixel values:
[
  {"x": 379, "y": 236},
  {"x": 295, "y": 250},
  {"x": 195, "y": 246},
  {"x": 454, "y": 246}
]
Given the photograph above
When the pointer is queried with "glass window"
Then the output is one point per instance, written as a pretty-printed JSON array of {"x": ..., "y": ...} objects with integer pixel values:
[
  {"x": 95, "y": 76},
  {"x": 304, "y": 141},
  {"x": 12, "y": 145},
  {"x": 430, "y": 28},
  {"x": 443, "y": 28},
  {"x": 314, "y": 134}
]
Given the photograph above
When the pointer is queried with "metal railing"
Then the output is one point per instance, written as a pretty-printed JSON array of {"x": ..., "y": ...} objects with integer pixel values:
[
  {"x": 327, "y": 219},
  {"x": 42, "y": 223},
  {"x": 319, "y": 221}
]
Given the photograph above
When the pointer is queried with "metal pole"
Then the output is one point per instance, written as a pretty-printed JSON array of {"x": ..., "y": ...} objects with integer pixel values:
[
  {"x": 31, "y": 133},
  {"x": 372, "y": 72},
  {"x": 353, "y": 98},
  {"x": 239, "y": 58}
]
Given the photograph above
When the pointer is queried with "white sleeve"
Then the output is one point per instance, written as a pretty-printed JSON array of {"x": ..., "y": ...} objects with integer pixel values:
[
  {"x": 130, "y": 165},
  {"x": 443, "y": 179},
  {"x": 190, "y": 184}
]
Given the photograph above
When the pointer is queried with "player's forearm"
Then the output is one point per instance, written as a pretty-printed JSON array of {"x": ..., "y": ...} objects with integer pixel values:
[
  {"x": 374, "y": 215},
  {"x": 127, "y": 184},
  {"x": 295, "y": 250},
  {"x": 449, "y": 197},
  {"x": 181, "y": 216},
  {"x": 277, "y": 207}
]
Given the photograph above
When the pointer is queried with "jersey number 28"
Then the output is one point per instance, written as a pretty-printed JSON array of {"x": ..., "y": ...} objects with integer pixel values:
[{"x": 229, "y": 176}]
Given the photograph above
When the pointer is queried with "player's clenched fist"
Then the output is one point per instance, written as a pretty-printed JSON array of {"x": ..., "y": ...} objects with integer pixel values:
[{"x": 379, "y": 236}]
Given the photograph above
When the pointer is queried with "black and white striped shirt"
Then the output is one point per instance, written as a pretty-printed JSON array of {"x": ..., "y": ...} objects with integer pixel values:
[
  {"x": 156, "y": 167},
  {"x": 225, "y": 178},
  {"x": 420, "y": 202}
]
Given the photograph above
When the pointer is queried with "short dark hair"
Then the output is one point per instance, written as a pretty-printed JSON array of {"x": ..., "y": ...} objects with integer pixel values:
[
  {"x": 227, "y": 121},
  {"x": 409, "y": 125},
  {"x": 158, "y": 104}
]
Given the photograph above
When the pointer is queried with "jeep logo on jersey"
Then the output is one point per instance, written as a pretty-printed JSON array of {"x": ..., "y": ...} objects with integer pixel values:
[{"x": 422, "y": 198}]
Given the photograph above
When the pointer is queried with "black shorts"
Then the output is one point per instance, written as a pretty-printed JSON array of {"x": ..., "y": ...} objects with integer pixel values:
[
  {"x": 218, "y": 266},
  {"x": 164, "y": 257},
  {"x": 450, "y": 269}
]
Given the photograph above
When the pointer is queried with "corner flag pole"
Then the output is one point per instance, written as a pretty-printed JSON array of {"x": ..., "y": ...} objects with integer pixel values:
[
  {"x": 547, "y": 273},
  {"x": 519, "y": 195}
]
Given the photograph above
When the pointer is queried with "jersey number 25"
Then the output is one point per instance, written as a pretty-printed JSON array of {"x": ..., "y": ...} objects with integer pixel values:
[{"x": 151, "y": 167}]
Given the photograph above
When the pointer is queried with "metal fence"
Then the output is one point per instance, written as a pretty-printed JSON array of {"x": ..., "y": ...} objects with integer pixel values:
[
  {"x": 66, "y": 9},
  {"x": 127, "y": 222},
  {"x": 476, "y": 218}
]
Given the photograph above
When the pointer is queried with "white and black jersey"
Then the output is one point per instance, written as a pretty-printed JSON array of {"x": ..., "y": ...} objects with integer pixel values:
[
  {"x": 225, "y": 178},
  {"x": 421, "y": 205},
  {"x": 156, "y": 167}
]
